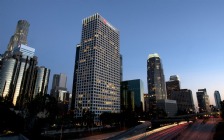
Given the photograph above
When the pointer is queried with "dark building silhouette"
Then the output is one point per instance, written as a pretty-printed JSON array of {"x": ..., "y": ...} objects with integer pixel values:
[
  {"x": 59, "y": 87},
  {"x": 169, "y": 106},
  {"x": 72, "y": 107},
  {"x": 132, "y": 96},
  {"x": 146, "y": 102},
  {"x": 42, "y": 75},
  {"x": 155, "y": 79},
  {"x": 172, "y": 85},
  {"x": 203, "y": 100},
  {"x": 217, "y": 99},
  {"x": 185, "y": 103}
]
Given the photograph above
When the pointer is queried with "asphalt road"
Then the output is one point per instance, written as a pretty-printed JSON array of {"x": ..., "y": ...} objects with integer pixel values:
[
  {"x": 200, "y": 130},
  {"x": 167, "y": 134},
  {"x": 139, "y": 129}
]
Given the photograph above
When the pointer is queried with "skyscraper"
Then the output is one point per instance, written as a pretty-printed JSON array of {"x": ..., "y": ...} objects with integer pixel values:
[
  {"x": 72, "y": 107},
  {"x": 98, "y": 72},
  {"x": 121, "y": 66},
  {"x": 42, "y": 78},
  {"x": 59, "y": 80},
  {"x": 203, "y": 100},
  {"x": 58, "y": 83},
  {"x": 17, "y": 74},
  {"x": 0, "y": 61},
  {"x": 6, "y": 75},
  {"x": 20, "y": 36},
  {"x": 24, "y": 71},
  {"x": 18, "y": 68},
  {"x": 217, "y": 99},
  {"x": 172, "y": 85},
  {"x": 155, "y": 79}
]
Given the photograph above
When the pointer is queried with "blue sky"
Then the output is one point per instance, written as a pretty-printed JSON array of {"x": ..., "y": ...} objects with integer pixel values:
[{"x": 187, "y": 34}]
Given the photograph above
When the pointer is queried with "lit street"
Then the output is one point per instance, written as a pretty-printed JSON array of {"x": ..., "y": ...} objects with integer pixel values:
[{"x": 200, "y": 130}]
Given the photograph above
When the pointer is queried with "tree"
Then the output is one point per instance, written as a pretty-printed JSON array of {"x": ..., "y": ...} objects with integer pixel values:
[
  {"x": 88, "y": 117},
  {"x": 42, "y": 111},
  {"x": 9, "y": 120}
]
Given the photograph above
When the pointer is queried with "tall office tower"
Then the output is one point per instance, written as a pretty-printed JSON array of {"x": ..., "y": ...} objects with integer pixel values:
[
  {"x": 24, "y": 73},
  {"x": 217, "y": 99},
  {"x": 42, "y": 75},
  {"x": 59, "y": 80},
  {"x": 121, "y": 66},
  {"x": 1, "y": 61},
  {"x": 16, "y": 76},
  {"x": 72, "y": 107},
  {"x": 155, "y": 79},
  {"x": 98, "y": 73},
  {"x": 203, "y": 100},
  {"x": 7, "y": 73},
  {"x": 20, "y": 36},
  {"x": 172, "y": 85},
  {"x": 146, "y": 102},
  {"x": 58, "y": 84},
  {"x": 132, "y": 96},
  {"x": 185, "y": 103}
]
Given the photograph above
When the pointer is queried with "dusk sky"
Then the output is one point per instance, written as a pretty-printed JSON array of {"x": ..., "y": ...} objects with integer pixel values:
[{"x": 187, "y": 34}]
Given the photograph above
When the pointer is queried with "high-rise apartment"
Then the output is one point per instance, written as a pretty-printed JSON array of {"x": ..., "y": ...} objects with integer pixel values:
[
  {"x": 172, "y": 85},
  {"x": 98, "y": 72},
  {"x": 217, "y": 99},
  {"x": 203, "y": 100},
  {"x": 155, "y": 79}
]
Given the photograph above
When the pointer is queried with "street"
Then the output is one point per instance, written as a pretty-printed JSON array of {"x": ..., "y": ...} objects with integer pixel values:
[{"x": 200, "y": 130}]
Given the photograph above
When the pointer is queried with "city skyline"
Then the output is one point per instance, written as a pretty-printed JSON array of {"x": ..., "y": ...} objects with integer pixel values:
[{"x": 187, "y": 35}]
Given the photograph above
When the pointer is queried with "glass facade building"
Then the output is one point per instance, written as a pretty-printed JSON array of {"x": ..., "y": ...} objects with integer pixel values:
[
  {"x": 155, "y": 80},
  {"x": 98, "y": 72},
  {"x": 132, "y": 96},
  {"x": 217, "y": 99},
  {"x": 20, "y": 78},
  {"x": 42, "y": 79},
  {"x": 26, "y": 50},
  {"x": 6, "y": 75}
]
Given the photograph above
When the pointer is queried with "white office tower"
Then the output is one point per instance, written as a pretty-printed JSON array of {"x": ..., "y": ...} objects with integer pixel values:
[{"x": 98, "y": 74}]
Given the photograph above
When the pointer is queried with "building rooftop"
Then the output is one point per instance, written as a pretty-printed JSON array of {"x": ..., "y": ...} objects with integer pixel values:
[{"x": 153, "y": 55}]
